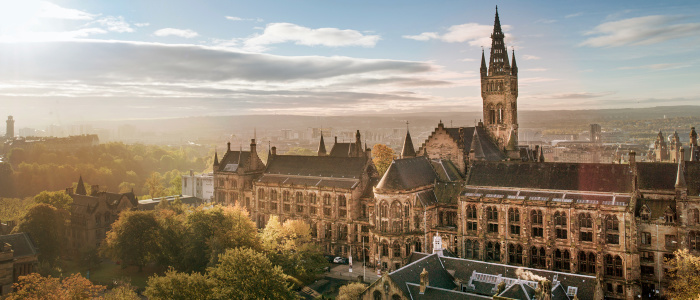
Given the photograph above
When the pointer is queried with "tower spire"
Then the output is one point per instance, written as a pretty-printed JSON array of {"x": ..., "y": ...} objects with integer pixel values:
[
  {"x": 498, "y": 62},
  {"x": 321, "y": 146},
  {"x": 408, "y": 150},
  {"x": 483, "y": 68},
  {"x": 514, "y": 67}
]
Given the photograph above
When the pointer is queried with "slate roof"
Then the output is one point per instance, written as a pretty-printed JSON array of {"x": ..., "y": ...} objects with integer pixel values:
[
  {"x": 342, "y": 149},
  {"x": 233, "y": 159},
  {"x": 437, "y": 275},
  {"x": 316, "y": 166},
  {"x": 22, "y": 244},
  {"x": 87, "y": 204},
  {"x": 487, "y": 146},
  {"x": 407, "y": 174},
  {"x": 518, "y": 291},
  {"x": 661, "y": 176},
  {"x": 614, "y": 178},
  {"x": 594, "y": 198},
  {"x": 447, "y": 192},
  {"x": 150, "y": 204},
  {"x": 446, "y": 170},
  {"x": 442, "y": 294},
  {"x": 425, "y": 198}
]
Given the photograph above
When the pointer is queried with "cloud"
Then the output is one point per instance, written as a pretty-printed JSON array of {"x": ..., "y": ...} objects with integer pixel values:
[
  {"x": 472, "y": 33},
  {"x": 142, "y": 24},
  {"x": 530, "y": 57},
  {"x": 53, "y": 11},
  {"x": 573, "y": 15},
  {"x": 244, "y": 19},
  {"x": 276, "y": 33},
  {"x": 575, "y": 95},
  {"x": 640, "y": 31},
  {"x": 468, "y": 59},
  {"x": 185, "y": 33},
  {"x": 657, "y": 67},
  {"x": 535, "y": 70},
  {"x": 115, "y": 24}
]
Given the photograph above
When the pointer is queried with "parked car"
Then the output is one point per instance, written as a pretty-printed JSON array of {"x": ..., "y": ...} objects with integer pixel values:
[{"x": 340, "y": 260}]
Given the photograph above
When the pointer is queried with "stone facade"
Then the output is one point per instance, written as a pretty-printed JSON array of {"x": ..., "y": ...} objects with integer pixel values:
[{"x": 18, "y": 257}]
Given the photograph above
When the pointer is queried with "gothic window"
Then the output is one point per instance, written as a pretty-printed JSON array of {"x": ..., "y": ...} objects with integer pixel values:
[
  {"x": 515, "y": 254},
  {"x": 312, "y": 199},
  {"x": 612, "y": 230},
  {"x": 342, "y": 202},
  {"x": 493, "y": 251},
  {"x": 538, "y": 258},
  {"x": 396, "y": 226},
  {"x": 261, "y": 194},
  {"x": 499, "y": 115},
  {"x": 670, "y": 215},
  {"x": 613, "y": 265},
  {"x": 384, "y": 210},
  {"x": 417, "y": 246},
  {"x": 671, "y": 243},
  {"x": 314, "y": 230},
  {"x": 471, "y": 249},
  {"x": 406, "y": 211},
  {"x": 451, "y": 218},
  {"x": 363, "y": 210},
  {"x": 342, "y": 232},
  {"x": 471, "y": 217},
  {"x": 384, "y": 226},
  {"x": 397, "y": 249},
  {"x": 561, "y": 260},
  {"x": 560, "y": 225},
  {"x": 492, "y": 116},
  {"x": 586, "y": 227},
  {"x": 417, "y": 221},
  {"x": 342, "y": 206},
  {"x": 396, "y": 210},
  {"x": 645, "y": 214},
  {"x": 328, "y": 231},
  {"x": 234, "y": 184},
  {"x": 694, "y": 217},
  {"x": 586, "y": 262},
  {"x": 645, "y": 238},
  {"x": 492, "y": 218},
  {"x": 514, "y": 221},
  {"x": 273, "y": 195},
  {"x": 299, "y": 197},
  {"x": 273, "y": 206},
  {"x": 694, "y": 240},
  {"x": 327, "y": 199},
  {"x": 286, "y": 196},
  {"x": 537, "y": 223},
  {"x": 385, "y": 248},
  {"x": 408, "y": 248}
]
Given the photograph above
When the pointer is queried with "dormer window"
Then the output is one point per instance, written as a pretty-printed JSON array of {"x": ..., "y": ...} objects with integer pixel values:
[
  {"x": 670, "y": 215},
  {"x": 645, "y": 214}
]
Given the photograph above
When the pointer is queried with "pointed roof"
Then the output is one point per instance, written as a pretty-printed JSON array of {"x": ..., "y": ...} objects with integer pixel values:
[
  {"x": 541, "y": 155},
  {"x": 321, "y": 147},
  {"x": 514, "y": 66},
  {"x": 498, "y": 60},
  {"x": 483, "y": 61},
  {"x": 680, "y": 177},
  {"x": 512, "y": 141},
  {"x": 476, "y": 147},
  {"x": 407, "y": 174},
  {"x": 216, "y": 158},
  {"x": 80, "y": 189},
  {"x": 408, "y": 149}
]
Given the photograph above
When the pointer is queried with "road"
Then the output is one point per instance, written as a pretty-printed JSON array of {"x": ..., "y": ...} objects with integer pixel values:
[{"x": 343, "y": 272}]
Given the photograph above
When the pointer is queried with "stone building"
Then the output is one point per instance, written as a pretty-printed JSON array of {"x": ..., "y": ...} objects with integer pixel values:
[
  {"x": 234, "y": 176},
  {"x": 18, "y": 257},
  {"x": 92, "y": 215}
]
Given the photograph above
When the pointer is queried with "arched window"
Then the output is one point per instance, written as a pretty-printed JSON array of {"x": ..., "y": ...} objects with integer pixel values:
[
  {"x": 561, "y": 260},
  {"x": 326, "y": 199},
  {"x": 670, "y": 215},
  {"x": 342, "y": 207},
  {"x": 645, "y": 214},
  {"x": 560, "y": 225},
  {"x": 342, "y": 232},
  {"x": 261, "y": 194},
  {"x": 492, "y": 218},
  {"x": 342, "y": 202},
  {"x": 585, "y": 223},
  {"x": 273, "y": 195},
  {"x": 694, "y": 240},
  {"x": 299, "y": 197},
  {"x": 471, "y": 218},
  {"x": 314, "y": 229},
  {"x": 377, "y": 295},
  {"x": 385, "y": 248},
  {"x": 694, "y": 217},
  {"x": 234, "y": 184},
  {"x": 537, "y": 223},
  {"x": 384, "y": 210},
  {"x": 514, "y": 221},
  {"x": 493, "y": 251},
  {"x": 396, "y": 210},
  {"x": 408, "y": 248},
  {"x": 515, "y": 254},
  {"x": 612, "y": 230},
  {"x": 613, "y": 265},
  {"x": 586, "y": 262},
  {"x": 312, "y": 198},
  {"x": 286, "y": 196},
  {"x": 538, "y": 258},
  {"x": 471, "y": 249},
  {"x": 397, "y": 249},
  {"x": 417, "y": 246},
  {"x": 499, "y": 114}
]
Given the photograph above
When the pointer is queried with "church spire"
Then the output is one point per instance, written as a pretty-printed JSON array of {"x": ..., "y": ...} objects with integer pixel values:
[
  {"x": 216, "y": 158},
  {"x": 321, "y": 146},
  {"x": 483, "y": 69},
  {"x": 80, "y": 189},
  {"x": 498, "y": 62},
  {"x": 408, "y": 150},
  {"x": 514, "y": 67}
]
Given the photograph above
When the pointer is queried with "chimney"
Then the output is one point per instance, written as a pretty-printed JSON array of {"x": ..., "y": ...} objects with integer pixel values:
[
  {"x": 336, "y": 139},
  {"x": 228, "y": 146},
  {"x": 253, "y": 155},
  {"x": 424, "y": 281},
  {"x": 69, "y": 191},
  {"x": 274, "y": 151},
  {"x": 633, "y": 158}
]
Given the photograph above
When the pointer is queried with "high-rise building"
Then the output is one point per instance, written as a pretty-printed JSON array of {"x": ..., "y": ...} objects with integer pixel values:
[{"x": 10, "y": 132}]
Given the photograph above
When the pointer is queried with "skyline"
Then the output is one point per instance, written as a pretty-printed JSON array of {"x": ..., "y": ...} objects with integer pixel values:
[{"x": 68, "y": 61}]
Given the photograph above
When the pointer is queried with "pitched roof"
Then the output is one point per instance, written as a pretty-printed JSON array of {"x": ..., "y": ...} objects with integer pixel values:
[
  {"x": 662, "y": 176},
  {"x": 233, "y": 159},
  {"x": 316, "y": 166},
  {"x": 342, "y": 149},
  {"x": 442, "y": 294},
  {"x": 407, "y": 174},
  {"x": 446, "y": 170},
  {"x": 437, "y": 275},
  {"x": 463, "y": 136},
  {"x": 408, "y": 150},
  {"x": 553, "y": 176},
  {"x": 22, "y": 244},
  {"x": 80, "y": 189}
]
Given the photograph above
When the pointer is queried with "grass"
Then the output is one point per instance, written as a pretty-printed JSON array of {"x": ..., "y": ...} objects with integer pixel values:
[{"x": 107, "y": 273}]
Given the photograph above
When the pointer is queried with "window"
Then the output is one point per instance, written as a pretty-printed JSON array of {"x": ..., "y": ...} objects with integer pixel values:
[
  {"x": 515, "y": 254},
  {"x": 646, "y": 238},
  {"x": 619, "y": 289},
  {"x": 613, "y": 265},
  {"x": 560, "y": 225},
  {"x": 312, "y": 199},
  {"x": 385, "y": 248},
  {"x": 287, "y": 207},
  {"x": 397, "y": 249},
  {"x": 694, "y": 240},
  {"x": 612, "y": 230},
  {"x": 647, "y": 271},
  {"x": 326, "y": 199},
  {"x": 286, "y": 196},
  {"x": 471, "y": 218},
  {"x": 396, "y": 226},
  {"x": 328, "y": 232},
  {"x": 586, "y": 227},
  {"x": 586, "y": 262},
  {"x": 273, "y": 195},
  {"x": 670, "y": 215},
  {"x": 694, "y": 216},
  {"x": 671, "y": 242},
  {"x": 561, "y": 260},
  {"x": 299, "y": 197},
  {"x": 261, "y": 194},
  {"x": 342, "y": 232},
  {"x": 646, "y": 257},
  {"x": 493, "y": 251},
  {"x": 327, "y": 211},
  {"x": 537, "y": 223},
  {"x": 342, "y": 202},
  {"x": 514, "y": 221},
  {"x": 492, "y": 219},
  {"x": 384, "y": 210},
  {"x": 273, "y": 206},
  {"x": 384, "y": 226},
  {"x": 300, "y": 209},
  {"x": 645, "y": 214},
  {"x": 538, "y": 258},
  {"x": 451, "y": 218},
  {"x": 471, "y": 249}
]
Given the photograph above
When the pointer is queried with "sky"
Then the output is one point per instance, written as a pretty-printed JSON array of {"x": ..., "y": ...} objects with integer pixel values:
[{"x": 63, "y": 61}]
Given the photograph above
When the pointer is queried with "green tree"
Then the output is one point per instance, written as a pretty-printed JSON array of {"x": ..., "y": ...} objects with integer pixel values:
[
  {"x": 243, "y": 273},
  {"x": 382, "y": 156},
  {"x": 46, "y": 225},
  {"x": 134, "y": 239},
  {"x": 351, "y": 291},
  {"x": 172, "y": 236},
  {"x": 122, "y": 292},
  {"x": 290, "y": 246},
  {"x": 179, "y": 286},
  {"x": 7, "y": 184},
  {"x": 126, "y": 187},
  {"x": 684, "y": 280},
  {"x": 59, "y": 200},
  {"x": 154, "y": 184},
  {"x": 14, "y": 208}
]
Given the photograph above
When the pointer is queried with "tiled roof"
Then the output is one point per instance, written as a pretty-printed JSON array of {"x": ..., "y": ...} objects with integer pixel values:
[
  {"x": 553, "y": 176},
  {"x": 487, "y": 146},
  {"x": 342, "y": 149},
  {"x": 316, "y": 166},
  {"x": 232, "y": 160},
  {"x": 442, "y": 294},
  {"x": 437, "y": 276},
  {"x": 341, "y": 183},
  {"x": 407, "y": 174},
  {"x": 21, "y": 243},
  {"x": 662, "y": 176}
]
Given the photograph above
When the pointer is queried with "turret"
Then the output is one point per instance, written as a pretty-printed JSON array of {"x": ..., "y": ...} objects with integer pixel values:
[
  {"x": 408, "y": 150},
  {"x": 514, "y": 67},
  {"x": 483, "y": 68},
  {"x": 253, "y": 155},
  {"x": 321, "y": 147},
  {"x": 80, "y": 189},
  {"x": 216, "y": 158}
]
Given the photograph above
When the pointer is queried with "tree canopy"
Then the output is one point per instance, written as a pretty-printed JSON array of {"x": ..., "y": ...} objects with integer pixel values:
[
  {"x": 684, "y": 276},
  {"x": 46, "y": 224},
  {"x": 382, "y": 156},
  {"x": 74, "y": 287}
]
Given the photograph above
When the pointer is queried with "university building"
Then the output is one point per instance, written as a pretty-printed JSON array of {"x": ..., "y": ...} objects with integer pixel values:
[{"x": 490, "y": 201}]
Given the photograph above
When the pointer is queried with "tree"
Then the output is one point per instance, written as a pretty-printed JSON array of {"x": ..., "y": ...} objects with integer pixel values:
[
  {"x": 46, "y": 225},
  {"x": 243, "y": 273},
  {"x": 301, "y": 151},
  {"x": 134, "y": 239},
  {"x": 126, "y": 187},
  {"x": 290, "y": 246},
  {"x": 684, "y": 280},
  {"x": 74, "y": 287},
  {"x": 351, "y": 291},
  {"x": 59, "y": 200},
  {"x": 383, "y": 155},
  {"x": 172, "y": 235},
  {"x": 7, "y": 184},
  {"x": 154, "y": 184},
  {"x": 179, "y": 286},
  {"x": 123, "y": 291}
]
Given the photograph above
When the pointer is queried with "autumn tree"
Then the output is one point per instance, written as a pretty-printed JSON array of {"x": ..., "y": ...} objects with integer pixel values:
[
  {"x": 46, "y": 224},
  {"x": 7, "y": 184},
  {"x": 351, "y": 291},
  {"x": 684, "y": 276},
  {"x": 243, "y": 273},
  {"x": 134, "y": 238},
  {"x": 59, "y": 200},
  {"x": 154, "y": 185},
  {"x": 382, "y": 156},
  {"x": 290, "y": 246},
  {"x": 179, "y": 286},
  {"x": 74, "y": 287}
]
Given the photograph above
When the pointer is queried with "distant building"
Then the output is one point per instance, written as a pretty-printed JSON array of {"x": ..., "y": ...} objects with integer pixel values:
[
  {"x": 150, "y": 204},
  {"x": 18, "y": 257},
  {"x": 10, "y": 129},
  {"x": 200, "y": 186},
  {"x": 70, "y": 143},
  {"x": 595, "y": 134}
]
